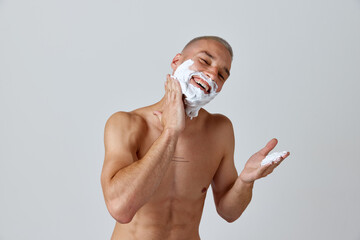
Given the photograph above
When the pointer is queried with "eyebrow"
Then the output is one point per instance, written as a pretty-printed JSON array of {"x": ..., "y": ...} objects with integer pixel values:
[{"x": 212, "y": 57}]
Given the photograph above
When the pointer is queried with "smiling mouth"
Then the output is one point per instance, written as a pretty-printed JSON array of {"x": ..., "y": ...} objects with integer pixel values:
[{"x": 202, "y": 84}]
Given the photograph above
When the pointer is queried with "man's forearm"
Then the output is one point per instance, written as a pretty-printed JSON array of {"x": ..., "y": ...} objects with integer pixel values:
[
  {"x": 235, "y": 201},
  {"x": 133, "y": 185}
]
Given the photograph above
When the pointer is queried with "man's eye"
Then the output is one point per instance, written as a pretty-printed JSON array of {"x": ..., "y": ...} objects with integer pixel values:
[
  {"x": 221, "y": 76},
  {"x": 204, "y": 61}
]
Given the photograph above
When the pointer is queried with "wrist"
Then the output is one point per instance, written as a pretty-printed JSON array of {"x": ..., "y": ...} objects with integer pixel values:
[
  {"x": 241, "y": 184},
  {"x": 173, "y": 133}
]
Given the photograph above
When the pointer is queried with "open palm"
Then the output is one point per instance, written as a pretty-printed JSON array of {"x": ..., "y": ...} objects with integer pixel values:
[{"x": 253, "y": 169}]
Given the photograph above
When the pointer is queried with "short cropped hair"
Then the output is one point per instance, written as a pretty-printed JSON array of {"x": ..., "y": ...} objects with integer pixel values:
[{"x": 218, "y": 39}]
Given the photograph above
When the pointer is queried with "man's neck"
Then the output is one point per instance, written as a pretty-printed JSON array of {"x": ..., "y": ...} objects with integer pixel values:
[{"x": 159, "y": 106}]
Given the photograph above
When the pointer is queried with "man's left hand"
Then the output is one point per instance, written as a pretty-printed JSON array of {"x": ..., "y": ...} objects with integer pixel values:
[{"x": 253, "y": 169}]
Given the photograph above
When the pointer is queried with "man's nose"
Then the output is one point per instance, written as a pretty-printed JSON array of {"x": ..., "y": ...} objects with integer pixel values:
[{"x": 211, "y": 73}]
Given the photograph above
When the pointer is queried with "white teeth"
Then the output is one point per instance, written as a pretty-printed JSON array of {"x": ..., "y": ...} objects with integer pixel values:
[{"x": 203, "y": 85}]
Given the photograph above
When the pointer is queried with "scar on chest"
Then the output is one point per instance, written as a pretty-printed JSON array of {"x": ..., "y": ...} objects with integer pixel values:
[
  {"x": 179, "y": 159},
  {"x": 203, "y": 190}
]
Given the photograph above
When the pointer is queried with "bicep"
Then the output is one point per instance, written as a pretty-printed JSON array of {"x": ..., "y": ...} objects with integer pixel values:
[
  {"x": 120, "y": 147},
  {"x": 226, "y": 173}
]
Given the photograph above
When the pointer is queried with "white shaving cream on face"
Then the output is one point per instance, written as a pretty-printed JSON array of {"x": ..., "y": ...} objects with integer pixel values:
[
  {"x": 274, "y": 157},
  {"x": 196, "y": 98}
]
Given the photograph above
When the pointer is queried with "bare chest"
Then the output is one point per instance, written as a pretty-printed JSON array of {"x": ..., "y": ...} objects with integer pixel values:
[{"x": 192, "y": 167}]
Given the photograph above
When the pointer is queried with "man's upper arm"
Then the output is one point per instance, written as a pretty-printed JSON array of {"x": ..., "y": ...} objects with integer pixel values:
[
  {"x": 226, "y": 173},
  {"x": 121, "y": 143}
]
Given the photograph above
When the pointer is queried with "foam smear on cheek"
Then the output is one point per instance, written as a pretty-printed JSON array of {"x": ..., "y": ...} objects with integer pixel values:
[{"x": 195, "y": 97}]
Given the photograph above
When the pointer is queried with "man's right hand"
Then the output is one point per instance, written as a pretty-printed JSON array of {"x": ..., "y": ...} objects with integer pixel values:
[
  {"x": 124, "y": 134},
  {"x": 173, "y": 115}
]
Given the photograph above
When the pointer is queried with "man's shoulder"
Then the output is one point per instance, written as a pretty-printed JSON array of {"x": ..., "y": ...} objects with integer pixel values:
[
  {"x": 221, "y": 130},
  {"x": 126, "y": 122},
  {"x": 218, "y": 120}
]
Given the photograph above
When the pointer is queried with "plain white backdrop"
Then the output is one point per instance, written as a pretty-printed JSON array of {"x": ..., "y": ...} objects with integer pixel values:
[{"x": 66, "y": 66}]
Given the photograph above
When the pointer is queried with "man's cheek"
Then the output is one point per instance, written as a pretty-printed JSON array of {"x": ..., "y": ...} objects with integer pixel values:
[{"x": 195, "y": 67}]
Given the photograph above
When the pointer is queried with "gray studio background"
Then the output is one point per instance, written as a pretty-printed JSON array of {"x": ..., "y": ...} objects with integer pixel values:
[{"x": 66, "y": 66}]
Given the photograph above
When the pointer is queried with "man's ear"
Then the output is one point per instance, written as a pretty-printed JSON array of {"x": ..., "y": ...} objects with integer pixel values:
[{"x": 176, "y": 61}]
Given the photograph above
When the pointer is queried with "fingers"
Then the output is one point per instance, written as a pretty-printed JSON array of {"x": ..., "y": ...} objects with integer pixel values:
[
  {"x": 177, "y": 86},
  {"x": 263, "y": 169},
  {"x": 269, "y": 146},
  {"x": 269, "y": 168},
  {"x": 174, "y": 84},
  {"x": 173, "y": 88}
]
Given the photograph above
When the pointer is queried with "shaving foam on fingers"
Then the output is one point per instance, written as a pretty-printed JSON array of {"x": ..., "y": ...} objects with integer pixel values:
[{"x": 274, "y": 157}]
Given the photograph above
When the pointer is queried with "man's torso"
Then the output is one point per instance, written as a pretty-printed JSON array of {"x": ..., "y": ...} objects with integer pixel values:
[{"x": 175, "y": 209}]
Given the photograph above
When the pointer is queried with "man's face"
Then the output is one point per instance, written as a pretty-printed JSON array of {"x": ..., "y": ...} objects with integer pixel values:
[{"x": 210, "y": 57}]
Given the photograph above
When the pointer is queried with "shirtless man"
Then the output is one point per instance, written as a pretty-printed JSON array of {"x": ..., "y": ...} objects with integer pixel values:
[{"x": 159, "y": 163}]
